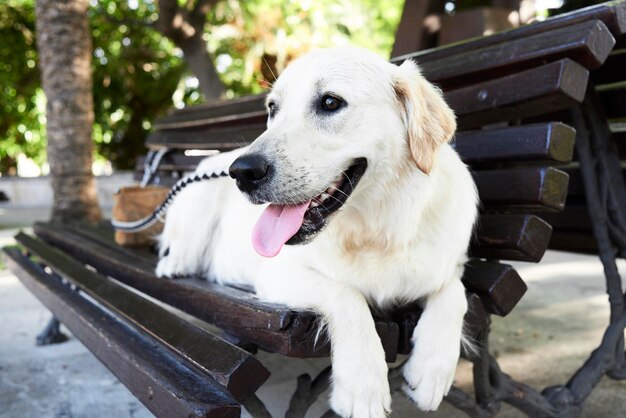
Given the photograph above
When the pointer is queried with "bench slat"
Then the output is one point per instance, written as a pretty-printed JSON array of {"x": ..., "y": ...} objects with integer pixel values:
[
  {"x": 548, "y": 88},
  {"x": 525, "y": 94},
  {"x": 546, "y": 142},
  {"x": 161, "y": 382},
  {"x": 588, "y": 43},
  {"x": 612, "y": 15},
  {"x": 512, "y": 237},
  {"x": 104, "y": 237},
  {"x": 537, "y": 188},
  {"x": 574, "y": 240},
  {"x": 543, "y": 188},
  {"x": 487, "y": 280},
  {"x": 221, "y": 138},
  {"x": 235, "y": 369},
  {"x": 549, "y": 142},
  {"x": 213, "y": 109},
  {"x": 272, "y": 327},
  {"x": 498, "y": 285}
]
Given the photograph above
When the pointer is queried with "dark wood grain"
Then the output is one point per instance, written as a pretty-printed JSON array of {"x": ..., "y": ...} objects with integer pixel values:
[
  {"x": 588, "y": 43},
  {"x": 272, "y": 327},
  {"x": 498, "y": 285},
  {"x": 209, "y": 137},
  {"x": 551, "y": 87},
  {"x": 103, "y": 236},
  {"x": 613, "y": 15},
  {"x": 164, "y": 384},
  {"x": 538, "y": 187},
  {"x": 238, "y": 371},
  {"x": 541, "y": 188},
  {"x": 575, "y": 241},
  {"x": 213, "y": 112},
  {"x": 511, "y": 237},
  {"x": 173, "y": 162},
  {"x": 549, "y": 142}
]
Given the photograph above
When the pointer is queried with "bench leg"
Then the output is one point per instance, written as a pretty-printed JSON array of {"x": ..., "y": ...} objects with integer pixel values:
[
  {"x": 307, "y": 392},
  {"x": 51, "y": 334}
]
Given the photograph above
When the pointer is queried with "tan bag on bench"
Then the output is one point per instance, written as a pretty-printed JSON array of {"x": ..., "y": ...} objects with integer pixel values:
[{"x": 136, "y": 202}]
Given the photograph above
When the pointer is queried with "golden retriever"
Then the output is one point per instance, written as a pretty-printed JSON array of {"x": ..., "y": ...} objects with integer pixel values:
[{"x": 352, "y": 195}]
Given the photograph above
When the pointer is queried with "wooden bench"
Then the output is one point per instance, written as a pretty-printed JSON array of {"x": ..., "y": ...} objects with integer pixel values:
[{"x": 509, "y": 92}]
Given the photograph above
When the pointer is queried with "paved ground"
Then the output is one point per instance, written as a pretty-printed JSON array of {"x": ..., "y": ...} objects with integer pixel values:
[{"x": 542, "y": 342}]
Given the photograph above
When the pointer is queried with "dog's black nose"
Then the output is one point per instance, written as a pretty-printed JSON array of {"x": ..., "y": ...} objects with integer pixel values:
[{"x": 249, "y": 171}]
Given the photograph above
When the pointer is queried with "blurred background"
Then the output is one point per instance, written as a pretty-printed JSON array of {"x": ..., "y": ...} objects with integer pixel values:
[{"x": 143, "y": 63}]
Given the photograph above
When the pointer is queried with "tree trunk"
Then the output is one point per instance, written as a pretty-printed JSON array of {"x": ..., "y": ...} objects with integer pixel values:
[
  {"x": 201, "y": 65},
  {"x": 185, "y": 26},
  {"x": 64, "y": 47}
]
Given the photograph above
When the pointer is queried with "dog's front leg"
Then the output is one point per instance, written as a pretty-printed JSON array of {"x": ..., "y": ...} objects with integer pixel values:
[
  {"x": 430, "y": 369},
  {"x": 360, "y": 388}
]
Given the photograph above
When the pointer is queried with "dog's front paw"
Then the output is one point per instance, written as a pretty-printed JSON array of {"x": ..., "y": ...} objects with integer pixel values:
[
  {"x": 429, "y": 378},
  {"x": 172, "y": 265},
  {"x": 362, "y": 393}
]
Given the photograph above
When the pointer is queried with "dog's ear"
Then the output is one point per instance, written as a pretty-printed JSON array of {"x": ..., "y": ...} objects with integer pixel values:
[{"x": 430, "y": 121}]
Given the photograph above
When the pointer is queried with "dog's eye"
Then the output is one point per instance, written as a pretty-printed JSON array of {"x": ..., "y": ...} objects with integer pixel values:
[
  {"x": 331, "y": 103},
  {"x": 271, "y": 108}
]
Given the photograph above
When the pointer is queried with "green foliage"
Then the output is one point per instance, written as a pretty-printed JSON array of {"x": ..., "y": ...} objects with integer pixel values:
[
  {"x": 254, "y": 40},
  {"x": 138, "y": 74},
  {"x": 21, "y": 99}
]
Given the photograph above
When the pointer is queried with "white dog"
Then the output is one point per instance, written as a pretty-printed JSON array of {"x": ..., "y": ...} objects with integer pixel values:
[{"x": 368, "y": 203}]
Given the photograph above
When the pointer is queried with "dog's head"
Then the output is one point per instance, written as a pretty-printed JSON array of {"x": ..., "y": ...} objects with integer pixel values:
[{"x": 340, "y": 120}]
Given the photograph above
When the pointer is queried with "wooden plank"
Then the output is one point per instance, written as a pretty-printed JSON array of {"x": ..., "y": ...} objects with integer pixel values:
[
  {"x": 165, "y": 385},
  {"x": 498, "y": 285},
  {"x": 542, "y": 188},
  {"x": 612, "y": 14},
  {"x": 511, "y": 237},
  {"x": 549, "y": 142},
  {"x": 104, "y": 237},
  {"x": 574, "y": 216},
  {"x": 272, "y": 327},
  {"x": 485, "y": 278},
  {"x": 218, "y": 111},
  {"x": 218, "y": 138},
  {"x": 235, "y": 369},
  {"x": 515, "y": 189},
  {"x": 588, "y": 43},
  {"x": 551, "y": 87},
  {"x": 575, "y": 241},
  {"x": 173, "y": 162}
]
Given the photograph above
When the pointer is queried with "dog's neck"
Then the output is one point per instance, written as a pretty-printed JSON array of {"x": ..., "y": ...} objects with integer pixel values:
[{"x": 395, "y": 200}]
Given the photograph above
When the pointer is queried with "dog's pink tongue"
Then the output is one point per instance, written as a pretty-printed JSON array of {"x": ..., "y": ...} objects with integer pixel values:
[{"x": 276, "y": 225}]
